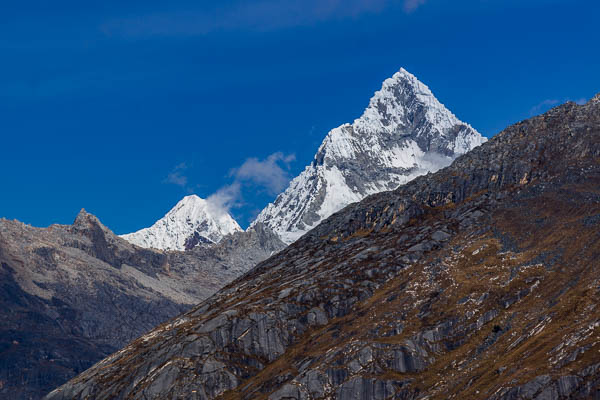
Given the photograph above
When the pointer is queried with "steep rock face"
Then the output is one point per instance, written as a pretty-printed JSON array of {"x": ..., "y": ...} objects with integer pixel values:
[
  {"x": 478, "y": 281},
  {"x": 405, "y": 132},
  {"x": 71, "y": 295},
  {"x": 236, "y": 253},
  {"x": 192, "y": 221}
]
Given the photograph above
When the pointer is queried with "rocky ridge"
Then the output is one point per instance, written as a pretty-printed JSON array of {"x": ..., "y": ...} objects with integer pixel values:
[
  {"x": 405, "y": 132},
  {"x": 72, "y": 294},
  {"x": 479, "y": 281}
]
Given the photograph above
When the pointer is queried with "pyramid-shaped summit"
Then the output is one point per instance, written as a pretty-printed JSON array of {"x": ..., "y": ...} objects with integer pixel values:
[{"x": 404, "y": 132}]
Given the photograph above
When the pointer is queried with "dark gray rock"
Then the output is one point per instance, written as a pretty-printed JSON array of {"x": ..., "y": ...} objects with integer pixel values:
[
  {"x": 486, "y": 317},
  {"x": 567, "y": 384},
  {"x": 440, "y": 236},
  {"x": 316, "y": 316},
  {"x": 365, "y": 389},
  {"x": 289, "y": 391}
]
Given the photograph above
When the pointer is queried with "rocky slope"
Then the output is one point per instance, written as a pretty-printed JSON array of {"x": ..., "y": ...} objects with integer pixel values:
[
  {"x": 192, "y": 221},
  {"x": 478, "y": 281},
  {"x": 71, "y": 295},
  {"x": 404, "y": 132}
]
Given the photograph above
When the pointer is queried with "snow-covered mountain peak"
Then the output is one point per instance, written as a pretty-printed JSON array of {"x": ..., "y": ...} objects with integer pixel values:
[
  {"x": 193, "y": 220},
  {"x": 403, "y": 76},
  {"x": 402, "y": 104},
  {"x": 404, "y": 132}
]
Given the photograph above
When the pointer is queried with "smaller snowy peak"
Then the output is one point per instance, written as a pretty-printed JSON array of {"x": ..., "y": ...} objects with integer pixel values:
[{"x": 193, "y": 220}]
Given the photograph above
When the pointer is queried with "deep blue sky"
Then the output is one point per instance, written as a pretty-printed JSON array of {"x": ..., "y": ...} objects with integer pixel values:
[{"x": 125, "y": 107}]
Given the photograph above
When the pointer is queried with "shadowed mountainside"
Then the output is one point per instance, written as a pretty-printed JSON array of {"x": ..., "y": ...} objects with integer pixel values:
[{"x": 71, "y": 295}]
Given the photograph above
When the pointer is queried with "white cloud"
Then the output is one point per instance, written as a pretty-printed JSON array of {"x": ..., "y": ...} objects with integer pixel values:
[
  {"x": 412, "y": 5},
  {"x": 267, "y": 173},
  {"x": 270, "y": 174},
  {"x": 177, "y": 177},
  {"x": 436, "y": 161},
  {"x": 262, "y": 15},
  {"x": 549, "y": 103},
  {"x": 226, "y": 198},
  {"x": 543, "y": 105}
]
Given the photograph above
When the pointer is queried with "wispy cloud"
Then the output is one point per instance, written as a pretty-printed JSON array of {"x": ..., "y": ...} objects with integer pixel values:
[
  {"x": 271, "y": 174},
  {"x": 268, "y": 173},
  {"x": 549, "y": 103},
  {"x": 226, "y": 198},
  {"x": 543, "y": 105},
  {"x": 263, "y": 15},
  {"x": 412, "y": 5},
  {"x": 177, "y": 175}
]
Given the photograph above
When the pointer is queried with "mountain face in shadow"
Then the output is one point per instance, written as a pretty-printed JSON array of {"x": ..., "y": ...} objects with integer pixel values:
[{"x": 72, "y": 294}]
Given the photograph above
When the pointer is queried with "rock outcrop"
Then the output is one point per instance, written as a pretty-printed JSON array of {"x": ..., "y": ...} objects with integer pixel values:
[{"x": 479, "y": 281}]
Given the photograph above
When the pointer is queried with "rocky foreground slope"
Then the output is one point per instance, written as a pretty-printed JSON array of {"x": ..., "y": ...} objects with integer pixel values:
[
  {"x": 481, "y": 281},
  {"x": 72, "y": 294}
]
